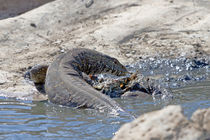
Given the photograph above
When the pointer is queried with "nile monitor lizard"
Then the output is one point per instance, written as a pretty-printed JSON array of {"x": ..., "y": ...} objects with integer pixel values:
[{"x": 64, "y": 83}]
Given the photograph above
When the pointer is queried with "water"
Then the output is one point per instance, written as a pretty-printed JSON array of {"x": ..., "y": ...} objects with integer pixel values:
[
  {"x": 32, "y": 120},
  {"x": 42, "y": 120}
]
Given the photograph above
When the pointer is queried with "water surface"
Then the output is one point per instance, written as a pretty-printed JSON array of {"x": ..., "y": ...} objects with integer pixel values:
[{"x": 43, "y": 120}]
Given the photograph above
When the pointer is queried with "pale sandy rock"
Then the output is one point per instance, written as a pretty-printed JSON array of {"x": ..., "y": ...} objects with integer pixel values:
[
  {"x": 166, "y": 124},
  {"x": 201, "y": 117},
  {"x": 125, "y": 29},
  {"x": 3, "y": 77},
  {"x": 28, "y": 92}
]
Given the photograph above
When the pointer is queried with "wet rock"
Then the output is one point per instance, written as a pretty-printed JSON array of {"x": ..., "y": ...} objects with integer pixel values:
[{"x": 168, "y": 123}]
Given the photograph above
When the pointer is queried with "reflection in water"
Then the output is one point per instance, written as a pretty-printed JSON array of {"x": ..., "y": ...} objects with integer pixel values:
[{"x": 26, "y": 119}]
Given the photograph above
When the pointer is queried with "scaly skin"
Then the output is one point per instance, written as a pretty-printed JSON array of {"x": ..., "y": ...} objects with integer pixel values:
[{"x": 65, "y": 85}]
